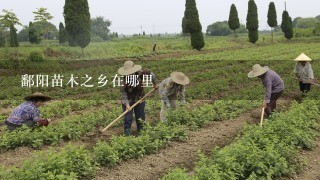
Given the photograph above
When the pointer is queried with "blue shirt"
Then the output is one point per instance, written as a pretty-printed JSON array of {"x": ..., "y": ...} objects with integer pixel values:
[{"x": 24, "y": 112}]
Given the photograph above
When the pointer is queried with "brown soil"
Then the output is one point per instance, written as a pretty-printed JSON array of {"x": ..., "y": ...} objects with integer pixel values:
[
  {"x": 178, "y": 154},
  {"x": 15, "y": 156},
  {"x": 183, "y": 154},
  {"x": 311, "y": 170}
]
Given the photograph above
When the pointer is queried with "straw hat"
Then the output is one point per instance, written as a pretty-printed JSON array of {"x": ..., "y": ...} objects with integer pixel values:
[
  {"x": 302, "y": 57},
  {"x": 129, "y": 68},
  {"x": 257, "y": 70},
  {"x": 37, "y": 95},
  {"x": 180, "y": 78}
]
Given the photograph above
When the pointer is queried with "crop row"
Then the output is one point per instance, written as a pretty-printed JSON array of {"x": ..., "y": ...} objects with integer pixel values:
[
  {"x": 274, "y": 52},
  {"x": 262, "y": 153},
  {"x": 208, "y": 78},
  {"x": 69, "y": 128},
  {"x": 56, "y": 165}
]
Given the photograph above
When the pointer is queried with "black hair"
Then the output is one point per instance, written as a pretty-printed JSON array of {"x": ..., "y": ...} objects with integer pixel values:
[{"x": 36, "y": 99}]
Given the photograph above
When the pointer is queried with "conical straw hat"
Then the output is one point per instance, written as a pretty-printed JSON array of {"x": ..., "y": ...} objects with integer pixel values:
[{"x": 303, "y": 57}]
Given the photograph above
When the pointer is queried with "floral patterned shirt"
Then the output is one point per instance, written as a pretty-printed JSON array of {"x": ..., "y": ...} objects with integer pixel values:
[{"x": 24, "y": 112}]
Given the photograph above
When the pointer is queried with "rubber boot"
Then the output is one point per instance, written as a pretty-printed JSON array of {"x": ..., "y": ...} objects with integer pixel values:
[{"x": 127, "y": 132}]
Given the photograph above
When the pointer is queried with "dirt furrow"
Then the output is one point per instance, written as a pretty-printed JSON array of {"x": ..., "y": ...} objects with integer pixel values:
[
  {"x": 179, "y": 154},
  {"x": 311, "y": 171}
]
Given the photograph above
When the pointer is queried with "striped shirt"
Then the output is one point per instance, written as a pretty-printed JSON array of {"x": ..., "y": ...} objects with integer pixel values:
[{"x": 24, "y": 112}]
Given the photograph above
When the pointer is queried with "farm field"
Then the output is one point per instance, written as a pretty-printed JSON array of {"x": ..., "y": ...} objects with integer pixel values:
[{"x": 223, "y": 110}]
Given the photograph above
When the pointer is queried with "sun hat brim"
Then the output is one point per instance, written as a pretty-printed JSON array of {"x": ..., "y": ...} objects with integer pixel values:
[
  {"x": 303, "y": 57},
  {"x": 174, "y": 77},
  {"x": 124, "y": 72},
  {"x": 37, "y": 95},
  {"x": 263, "y": 70}
]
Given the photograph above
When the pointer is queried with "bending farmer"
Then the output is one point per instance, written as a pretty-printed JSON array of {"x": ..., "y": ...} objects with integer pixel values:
[
  {"x": 170, "y": 89},
  {"x": 273, "y": 84},
  {"x": 28, "y": 113}
]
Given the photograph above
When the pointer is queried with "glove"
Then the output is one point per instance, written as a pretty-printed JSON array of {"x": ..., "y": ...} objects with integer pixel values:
[{"x": 43, "y": 122}]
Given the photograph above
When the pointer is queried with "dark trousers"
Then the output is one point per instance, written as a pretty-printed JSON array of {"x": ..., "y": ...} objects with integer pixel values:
[
  {"x": 12, "y": 127},
  {"x": 273, "y": 103},
  {"x": 304, "y": 87},
  {"x": 138, "y": 113}
]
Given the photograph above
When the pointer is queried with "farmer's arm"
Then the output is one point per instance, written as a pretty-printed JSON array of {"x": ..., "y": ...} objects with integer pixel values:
[
  {"x": 124, "y": 96},
  {"x": 182, "y": 95},
  {"x": 296, "y": 71},
  {"x": 164, "y": 89},
  {"x": 154, "y": 78},
  {"x": 35, "y": 115},
  {"x": 310, "y": 74},
  {"x": 268, "y": 86}
]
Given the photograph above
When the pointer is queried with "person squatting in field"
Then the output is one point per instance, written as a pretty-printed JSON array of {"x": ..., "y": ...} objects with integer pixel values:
[
  {"x": 170, "y": 89},
  {"x": 131, "y": 93},
  {"x": 274, "y": 86},
  {"x": 304, "y": 72},
  {"x": 28, "y": 113}
]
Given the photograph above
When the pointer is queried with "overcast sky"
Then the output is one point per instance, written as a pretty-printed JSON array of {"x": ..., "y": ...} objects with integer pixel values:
[{"x": 160, "y": 16}]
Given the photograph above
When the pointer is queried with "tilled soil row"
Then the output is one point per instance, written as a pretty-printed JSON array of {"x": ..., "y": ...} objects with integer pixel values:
[
  {"x": 311, "y": 170},
  {"x": 179, "y": 154},
  {"x": 183, "y": 154}
]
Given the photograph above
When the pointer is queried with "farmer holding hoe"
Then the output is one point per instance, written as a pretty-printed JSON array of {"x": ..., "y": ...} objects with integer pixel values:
[
  {"x": 28, "y": 113},
  {"x": 273, "y": 84},
  {"x": 304, "y": 73},
  {"x": 170, "y": 89},
  {"x": 132, "y": 90}
]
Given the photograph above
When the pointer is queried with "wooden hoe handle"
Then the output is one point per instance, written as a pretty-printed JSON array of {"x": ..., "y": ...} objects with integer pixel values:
[
  {"x": 125, "y": 112},
  {"x": 262, "y": 115}
]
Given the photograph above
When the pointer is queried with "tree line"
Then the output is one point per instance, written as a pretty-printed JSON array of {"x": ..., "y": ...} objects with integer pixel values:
[
  {"x": 76, "y": 30},
  {"x": 192, "y": 25}
]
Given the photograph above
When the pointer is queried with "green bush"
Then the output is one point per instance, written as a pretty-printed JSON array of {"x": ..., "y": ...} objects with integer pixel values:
[
  {"x": 303, "y": 32},
  {"x": 197, "y": 40},
  {"x": 36, "y": 56}
]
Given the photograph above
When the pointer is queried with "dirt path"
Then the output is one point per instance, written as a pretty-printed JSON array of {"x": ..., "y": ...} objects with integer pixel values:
[
  {"x": 181, "y": 154},
  {"x": 311, "y": 171}
]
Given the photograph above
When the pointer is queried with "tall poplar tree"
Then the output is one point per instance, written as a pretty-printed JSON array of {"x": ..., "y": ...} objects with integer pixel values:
[
  {"x": 77, "y": 22},
  {"x": 286, "y": 25},
  {"x": 13, "y": 37},
  {"x": 191, "y": 24},
  {"x": 234, "y": 22},
  {"x": 272, "y": 18},
  {"x": 252, "y": 22},
  {"x": 62, "y": 34}
]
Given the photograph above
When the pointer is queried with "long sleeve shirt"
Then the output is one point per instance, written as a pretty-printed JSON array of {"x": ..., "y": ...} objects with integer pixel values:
[
  {"x": 167, "y": 88},
  {"x": 24, "y": 112},
  {"x": 130, "y": 93},
  {"x": 304, "y": 72},
  {"x": 272, "y": 83}
]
